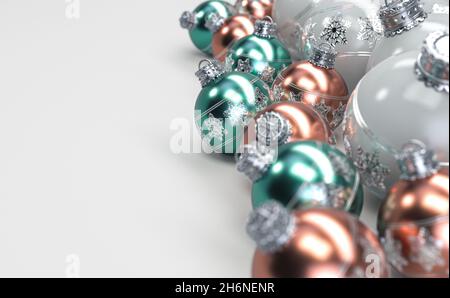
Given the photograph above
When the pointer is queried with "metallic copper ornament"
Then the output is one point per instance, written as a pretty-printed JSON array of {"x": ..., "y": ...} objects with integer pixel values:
[
  {"x": 414, "y": 222},
  {"x": 302, "y": 124},
  {"x": 324, "y": 244},
  {"x": 322, "y": 88},
  {"x": 256, "y": 8},
  {"x": 232, "y": 30}
]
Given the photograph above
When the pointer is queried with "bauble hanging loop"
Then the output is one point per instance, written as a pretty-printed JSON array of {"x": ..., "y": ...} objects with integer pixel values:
[
  {"x": 209, "y": 71},
  {"x": 432, "y": 66},
  {"x": 323, "y": 55},
  {"x": 398, "y": 16},
  {"x": 265, "y": 28},
  {"x": 187, "y": 20}
]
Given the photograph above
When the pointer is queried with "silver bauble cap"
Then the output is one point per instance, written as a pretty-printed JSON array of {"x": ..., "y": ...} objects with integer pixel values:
[
  {"x": 271, "y": 226},
  {"x": 254, "y": 161},
  {"x": 398, "y": 16},
  {"x": 187, "y": 20},
  {"x": 432, "y": 67},
  {"x": 209, "y": 71},
  {"x": 265, "y": 28},
  {"x": 323, "y": 55},
  {"x": 214, "y": 22},
  {"x": 273, "y": 129},
  {"x": 417, "y": 162}
]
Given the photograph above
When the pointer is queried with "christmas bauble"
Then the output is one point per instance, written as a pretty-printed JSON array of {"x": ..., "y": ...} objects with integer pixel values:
[
  {"x": 302, "y": 175},
  {"x": 349, "y": 26},
  {"x": 413, "y": 221},
  {"x": 314, "y": 243},
  {"x": 287, "y": 122},
  {"x": 227, "y": 32},
  {"x": 403, "y": 98},
  {"x": 260, "y": 53},
  {"x": 195, "y": 22},
  {"x": 317, "y": 83},
  {"x": 256, "y": 8},
  {"x": 225, "y": 105},
  {"x": 405, "y": 34}
]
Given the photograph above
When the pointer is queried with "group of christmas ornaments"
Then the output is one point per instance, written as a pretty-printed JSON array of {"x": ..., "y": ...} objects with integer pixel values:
[{"x": 371, "y": 76}]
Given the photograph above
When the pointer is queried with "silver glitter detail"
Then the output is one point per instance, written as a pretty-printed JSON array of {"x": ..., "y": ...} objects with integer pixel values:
[
  {"x": 373, "y": 173},
  {"x": 214, "y": 22},
  {"x": 187, "y": 20},
  {"x": 262, "y": 101},
  {"x": 394, "y": 252},
  {"x": 228, "y": 64},
  {"x": 432, "y": 66},
  {"x": 440, "y": 9},
  {"x": 237, "y": 114},
  {"x": 265, "y": 28},
  {"x": 273, "y": 129},
  {"x": 323, "y": 195},
  {"x": 267, "y": 75},
  {"x": 295, "y": 96},
  {"x": 323, "y": 109},
  {"x": 399, "y": 16},
  {"x": 209, "y": 71},
  {"x": 278, "y": 93},
  {"x": 271, "y": 227},
  {"x": 323, "y": 55},
  {"x": 244, "y": 65},
  {"x": 370, "y": 30},
  {"x": 416, "y": 162},
  {"x": 338, "y": 116},
  {"x": 254, "y": 161},
  {"x": 335, "y": 30},
  {"x": 426, "y": 251},
  {"x": 214, "y": 129}
]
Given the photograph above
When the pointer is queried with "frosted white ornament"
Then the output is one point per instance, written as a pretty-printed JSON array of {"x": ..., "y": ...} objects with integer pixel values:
[
  {"x": 406, "y": 23},
  {"x": 351, "y": 26},
  {"x": 403, "y": 98}
]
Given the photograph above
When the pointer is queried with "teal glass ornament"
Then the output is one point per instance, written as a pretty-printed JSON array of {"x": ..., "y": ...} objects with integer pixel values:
[
  {"x": 225, "y": 105},
  {"x": 261, "y": 53},
  {"x": 305, "y": 174},
  {"x": 195, "y": 22}
]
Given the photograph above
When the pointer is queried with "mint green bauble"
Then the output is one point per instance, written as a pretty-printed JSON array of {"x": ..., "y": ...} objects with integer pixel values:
[
  {"x": 195, "y": 22},
  {"x": 261, "y": 53},
  {"x": 225, "y": 105},
  {"x": 305, "y": 175}
]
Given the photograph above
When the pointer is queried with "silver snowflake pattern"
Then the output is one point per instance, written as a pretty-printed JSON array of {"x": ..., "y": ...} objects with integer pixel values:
[
  {"x": 213, "y": 128},
  {"x": 244, "y": 65},
  {"x": 440, "y": 9},
  {"x": 394, "y": 252},
  {"x": 237, "y": 114},
  {"x": 370, "y": 30},
  {"x": 278, "y": 93},
  {"x": 426, "y": 251},
  {"x": 372, "y": 171},
  {"x": 261, "y": 100},
  {"x": 335, "y": 30},
  {"x": 267, "y": 75},
  {"x": 323, "y": 109},
  {"x": 342, "y": 166},
  {"x": 338, "y": 116}
]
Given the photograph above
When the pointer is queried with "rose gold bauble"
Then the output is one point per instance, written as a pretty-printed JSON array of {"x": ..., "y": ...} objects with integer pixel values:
[
  {"x": 325, "y": 244},
  {"x": 257, "y": 8},
  {"x": 414, "y": 221},
  {"x": 323, "y": 88},
  {"x": 233, "y": 29},
  {"x": 306, "y": 124}
]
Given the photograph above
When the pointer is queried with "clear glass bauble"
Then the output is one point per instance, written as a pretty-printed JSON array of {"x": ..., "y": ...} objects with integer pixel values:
[
  {"x": 389, "y": 107},
  {"x": 351, "y": 26}
]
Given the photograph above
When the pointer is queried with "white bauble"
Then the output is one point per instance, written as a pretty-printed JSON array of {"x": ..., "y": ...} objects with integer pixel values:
[
  {"x": 393, "y": 105},
  {"x": 411, "y": 39},
  {"x": 351, "y": 26}
]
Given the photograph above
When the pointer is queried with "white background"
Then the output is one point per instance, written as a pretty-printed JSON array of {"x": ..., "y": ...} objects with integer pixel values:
[{"x": 85, "y": 164}]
